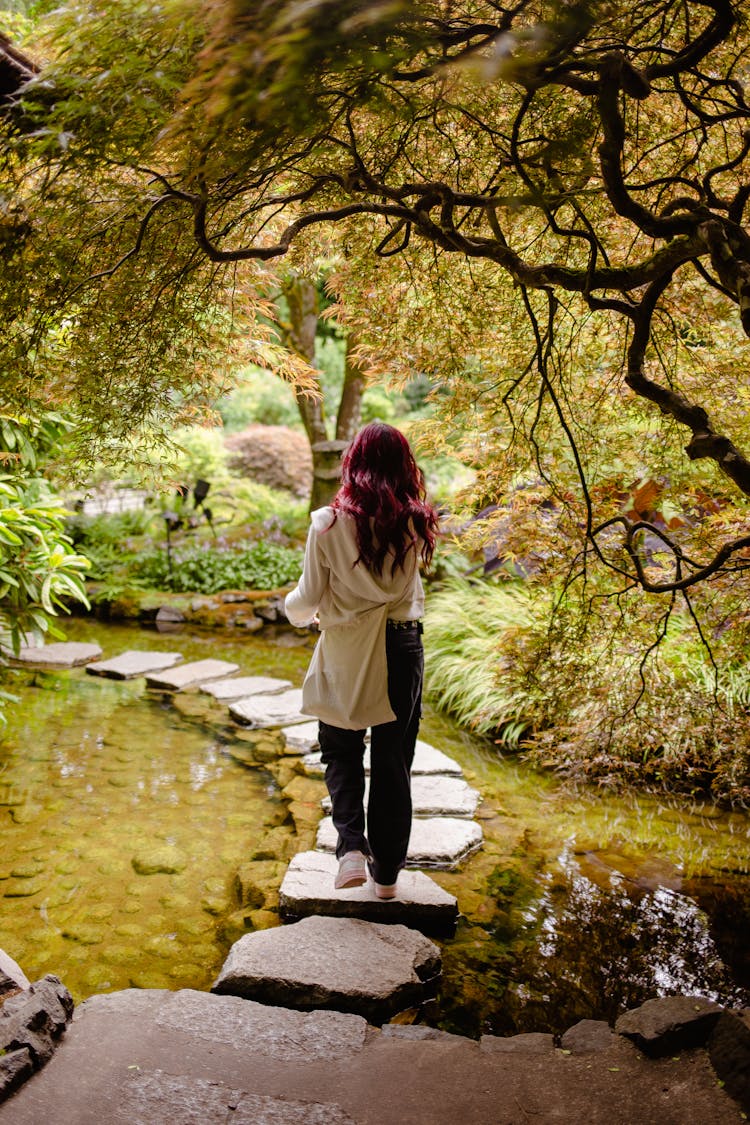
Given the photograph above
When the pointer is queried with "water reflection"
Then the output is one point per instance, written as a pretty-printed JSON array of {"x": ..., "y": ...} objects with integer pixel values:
[{"x": 563, "y": 946}]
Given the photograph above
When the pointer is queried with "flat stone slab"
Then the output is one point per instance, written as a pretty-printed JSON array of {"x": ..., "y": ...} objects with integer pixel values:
[
  {"x": 441, "y": 842},
  {"x": 341, "y": 963},
  {"x": 427, "y": 760},
  {"x": 269, "y": 710},
  {"x": 239, "y": 687},
  {"x": 433, "y": 795},
  {"x": 144, "y": 1057},
  {"x": 307, "y": 889},
  {"x": 134, "y": 663},
  {"x": 187, "y": 675},
  {"x": 303, "y": 737},
  {"x": 63, "y": 654}
]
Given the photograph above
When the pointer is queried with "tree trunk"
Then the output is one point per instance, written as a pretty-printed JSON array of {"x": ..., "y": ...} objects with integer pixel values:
[
  {"x": 302, "y": 299},
  {"x": 349, "y": 416}
]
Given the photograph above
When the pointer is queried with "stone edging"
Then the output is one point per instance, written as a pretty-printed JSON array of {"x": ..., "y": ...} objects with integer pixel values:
[{"x": 32, "y": 1021}]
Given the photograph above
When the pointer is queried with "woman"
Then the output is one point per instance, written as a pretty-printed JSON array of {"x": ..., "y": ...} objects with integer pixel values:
[{"x": 361, "y": 582}]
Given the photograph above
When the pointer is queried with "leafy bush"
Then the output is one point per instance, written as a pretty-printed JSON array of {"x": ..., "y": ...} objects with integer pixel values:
[
  {"x": 569, "y": 684},
  {"x": 466, "y": 673},
  {"x": 202, "y": 568},
  {"x": 39, "y": 572}
]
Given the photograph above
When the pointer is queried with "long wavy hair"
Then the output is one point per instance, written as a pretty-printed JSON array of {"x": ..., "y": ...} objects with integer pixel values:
[{"x": 383, "y": 490}]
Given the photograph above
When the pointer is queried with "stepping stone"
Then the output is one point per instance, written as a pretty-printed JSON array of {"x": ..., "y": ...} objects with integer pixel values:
[
  {"x": 241, "y": 686},
  {"x": 269, "y": 710},
  {"x": 432, "y": 795},
  {"x": 307, "y": 888},
  {"x": 439, "y": 841},
  {"x": 64, "y": 654},
  {"x": 187, "y": 675},
  {"x": 427, "y": 760},
  {"x": 134, "y": 663},
  {"x": 341, "y": 963},
  {"x": 303, "y": 737}
]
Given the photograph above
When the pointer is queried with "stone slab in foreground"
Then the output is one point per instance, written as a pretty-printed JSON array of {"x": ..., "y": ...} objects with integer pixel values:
[
  {"x": 427, "y": 760},
  {"x": 188, "y": 675},
  {"x": 134, "y": 663},
  {"x": 340, "y": 963},
  {"x": 307, "y": 889},
  {"x": 441, "y": 842},
  {"x": 433, "y": 795},
  {"x": 153, "y": 1057},
  {"x": 269, "y": 710},
  {"x": 241, "y": 686},
  {"x": 64, "y": 654}
]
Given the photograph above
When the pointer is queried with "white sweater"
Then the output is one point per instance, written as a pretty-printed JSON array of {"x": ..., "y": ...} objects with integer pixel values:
[{"x": 347, "y": 681}]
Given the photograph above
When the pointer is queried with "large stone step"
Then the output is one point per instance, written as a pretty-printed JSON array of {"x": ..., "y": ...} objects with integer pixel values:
[
  {"x": 239, "y": 687},
  {"x": 308, "y": 889},
  {"x": 343, "y": 963},
  {"x": 433, "y": 795},
  {"x": 63, "y": 654},
  {"x": 440, "y": 842},
  {"x": 269, "y": 710},
  {"x": 134, "y": 663},
  {"x": 192, "y": 674},
  {"x": 427, "y": 760}
]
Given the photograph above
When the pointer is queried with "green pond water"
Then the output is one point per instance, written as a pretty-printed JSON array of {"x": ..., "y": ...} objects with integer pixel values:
[{"x": 139, "y": 839}]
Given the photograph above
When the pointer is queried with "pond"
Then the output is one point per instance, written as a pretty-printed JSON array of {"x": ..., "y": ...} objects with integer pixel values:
[{"x": 580, "y": 904}]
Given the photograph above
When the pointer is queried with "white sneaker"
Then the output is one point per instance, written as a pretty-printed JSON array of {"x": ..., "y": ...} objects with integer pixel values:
[
  {"x": 352, "y": 871},
  {"x": 385, "y": 890}
]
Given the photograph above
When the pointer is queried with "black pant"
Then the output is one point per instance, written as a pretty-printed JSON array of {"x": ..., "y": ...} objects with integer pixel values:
[{"x": 391, "y": 756}]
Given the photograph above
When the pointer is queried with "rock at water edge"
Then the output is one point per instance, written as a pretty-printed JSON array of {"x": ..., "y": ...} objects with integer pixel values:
[
  {"x": 669, "y": 1023},
  {"x": 340, "y": 963}
]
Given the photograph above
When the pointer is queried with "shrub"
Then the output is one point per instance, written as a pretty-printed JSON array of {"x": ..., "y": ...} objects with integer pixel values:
[
  {"x": 272, "y": 455},
  {"x": 203, "y": 568},
  {"x": 577, "y": 691}
]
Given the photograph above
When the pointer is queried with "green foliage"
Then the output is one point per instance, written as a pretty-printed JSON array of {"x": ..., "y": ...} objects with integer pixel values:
[
  {"x": 466, "y": 627},
  {"x": 39, "y": 573},
  {"x": 258, "y": 397},
  {"x": 258, "y": 506},
  {"x": 570, "y": 685},
  {"x": 203, "y": 569}
]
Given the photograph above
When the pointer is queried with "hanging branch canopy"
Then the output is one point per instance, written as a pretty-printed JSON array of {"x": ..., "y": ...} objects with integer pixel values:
[
  {"x": 581, "y": 147},
  {"x": 15, "y": 71}
]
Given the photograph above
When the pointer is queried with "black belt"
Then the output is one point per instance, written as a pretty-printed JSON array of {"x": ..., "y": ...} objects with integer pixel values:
[{"x": 392, "y": 623}]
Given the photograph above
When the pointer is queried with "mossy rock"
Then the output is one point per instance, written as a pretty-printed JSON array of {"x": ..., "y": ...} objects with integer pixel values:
[{"x": 166, "y": 860}]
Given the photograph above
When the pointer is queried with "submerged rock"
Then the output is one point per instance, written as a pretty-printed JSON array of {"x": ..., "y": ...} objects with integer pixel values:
[{"x": 166, "y": 860}]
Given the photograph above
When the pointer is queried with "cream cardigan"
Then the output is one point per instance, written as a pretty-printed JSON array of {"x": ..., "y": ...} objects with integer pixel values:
[{"x": 347, "y": 682}]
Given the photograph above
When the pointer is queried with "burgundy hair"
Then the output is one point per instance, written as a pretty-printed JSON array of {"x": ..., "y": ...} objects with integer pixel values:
[{"x": 383, "y": 490}]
